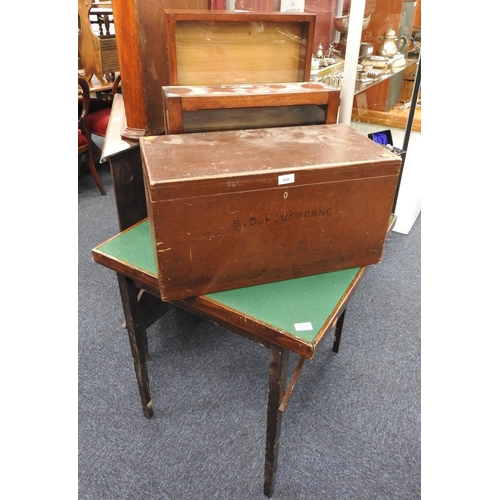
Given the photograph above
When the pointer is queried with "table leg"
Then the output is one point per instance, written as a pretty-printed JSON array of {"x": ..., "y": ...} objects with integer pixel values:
[
  {"x": 138, "y": 340},
  {"x": 277, "y": 386},
  {"x": 338, "y": 332}
]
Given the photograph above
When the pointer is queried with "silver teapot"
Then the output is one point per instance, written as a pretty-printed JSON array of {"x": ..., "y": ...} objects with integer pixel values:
[{"x": 391, "y": 44}]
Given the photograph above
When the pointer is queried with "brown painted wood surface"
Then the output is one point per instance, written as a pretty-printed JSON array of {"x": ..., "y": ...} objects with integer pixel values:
[{"x": 221, "y": 220}]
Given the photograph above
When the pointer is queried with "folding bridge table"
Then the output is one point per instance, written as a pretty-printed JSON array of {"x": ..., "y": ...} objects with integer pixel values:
[{"x": 292, "y": 315}]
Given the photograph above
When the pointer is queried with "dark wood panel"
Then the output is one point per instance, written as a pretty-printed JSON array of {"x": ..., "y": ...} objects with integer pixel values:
[{"x": 140, "y": 34}]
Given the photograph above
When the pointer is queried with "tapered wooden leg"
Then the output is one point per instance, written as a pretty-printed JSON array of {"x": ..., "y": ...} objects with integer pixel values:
[
  {"x": 138, "y": 341},
  {"x": 277, "y": 386},
  {"x": 338, "y": 332}
]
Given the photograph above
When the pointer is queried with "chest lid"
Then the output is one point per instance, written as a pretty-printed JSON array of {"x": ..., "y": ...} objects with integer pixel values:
[{"x": 225, "y": 161}]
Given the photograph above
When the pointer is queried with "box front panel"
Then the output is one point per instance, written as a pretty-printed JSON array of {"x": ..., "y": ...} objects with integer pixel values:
[{"x": 218, "y": 242}]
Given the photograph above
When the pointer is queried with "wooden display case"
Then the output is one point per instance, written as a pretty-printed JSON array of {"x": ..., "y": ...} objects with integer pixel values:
[
  {"x": 146, "y": 66},
  {"x": 219, "y": 47}
]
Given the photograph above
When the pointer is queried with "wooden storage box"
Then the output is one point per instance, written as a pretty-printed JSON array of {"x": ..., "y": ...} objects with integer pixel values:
[
  {"x": 220, "y": 47},
  {"x": 236, "y": 208}
]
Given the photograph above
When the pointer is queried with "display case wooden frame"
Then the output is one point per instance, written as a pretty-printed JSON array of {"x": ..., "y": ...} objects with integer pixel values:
[
  {"x": 220, "y": 47},
  {"x": 205, "y": 108}
]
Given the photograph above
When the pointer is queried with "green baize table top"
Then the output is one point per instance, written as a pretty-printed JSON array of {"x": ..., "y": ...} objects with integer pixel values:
[{"x": 299, "y": 307}]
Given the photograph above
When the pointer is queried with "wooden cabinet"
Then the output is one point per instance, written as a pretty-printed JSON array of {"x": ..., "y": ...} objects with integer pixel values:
[{"x": 140, "y": 34}]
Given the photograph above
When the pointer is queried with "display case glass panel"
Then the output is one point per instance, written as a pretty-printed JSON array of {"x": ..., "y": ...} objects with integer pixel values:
[{"x": 238, "y": 48}]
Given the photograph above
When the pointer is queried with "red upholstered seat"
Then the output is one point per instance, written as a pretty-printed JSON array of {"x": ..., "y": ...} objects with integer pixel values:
[
  {"x": 98, "y": 117},
  {"x": 97, "y": 121}
]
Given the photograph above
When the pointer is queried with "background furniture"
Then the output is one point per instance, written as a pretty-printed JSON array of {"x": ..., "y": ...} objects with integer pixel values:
[
  {"x": 98, "y": 54},
  {"x": 374, "y": 104},
  {"x": 141, "y": 41},
  {"x": 98, "y": 115},
  {"x": 146, "y": 66},
  {"x": 85, "y": 145}
]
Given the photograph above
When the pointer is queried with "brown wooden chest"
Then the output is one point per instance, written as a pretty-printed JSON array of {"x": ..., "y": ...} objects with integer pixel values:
[{"x": 231, "y": 209}]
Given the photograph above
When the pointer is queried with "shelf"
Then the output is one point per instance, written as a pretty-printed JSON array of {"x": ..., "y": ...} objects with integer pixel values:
[
  {"x": 362, "y": 87},
  {"x": 397, "y": 116},
  {"x": 394, "y": 118}
]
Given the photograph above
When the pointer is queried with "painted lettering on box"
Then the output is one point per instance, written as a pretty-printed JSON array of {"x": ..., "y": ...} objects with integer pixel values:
[{"x": 283, "y": 217}]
